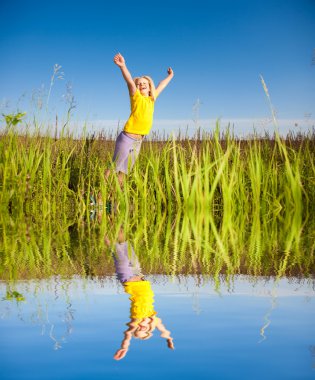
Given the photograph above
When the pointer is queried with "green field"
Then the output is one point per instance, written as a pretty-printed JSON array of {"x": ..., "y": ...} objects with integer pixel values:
[{"x": 209, "y": 205}]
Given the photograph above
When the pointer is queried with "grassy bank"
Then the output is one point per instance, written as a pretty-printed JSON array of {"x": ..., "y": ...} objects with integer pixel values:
[{"x": 214, "y": 173}]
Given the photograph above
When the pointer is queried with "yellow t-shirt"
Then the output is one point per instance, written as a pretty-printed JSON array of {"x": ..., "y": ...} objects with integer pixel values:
[
  {"x": 142, "y": 299},
  {"x": 141, "y": 116}
]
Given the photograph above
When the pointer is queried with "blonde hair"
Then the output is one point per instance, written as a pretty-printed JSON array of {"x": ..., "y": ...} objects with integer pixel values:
[
  {"x": 150, "y": 330},
  {"x": 151, "y": 85}
]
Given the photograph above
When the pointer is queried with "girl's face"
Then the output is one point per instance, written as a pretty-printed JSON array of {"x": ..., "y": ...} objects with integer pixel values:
[
  {"x": 144, "y": 329},
  {"x": 143, "y": 86}
]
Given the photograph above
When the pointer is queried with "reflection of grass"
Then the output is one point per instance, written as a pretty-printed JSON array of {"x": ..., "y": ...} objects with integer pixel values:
[
  {"x": 187, "y": 243},
  {"x": 13, "y": 295}
]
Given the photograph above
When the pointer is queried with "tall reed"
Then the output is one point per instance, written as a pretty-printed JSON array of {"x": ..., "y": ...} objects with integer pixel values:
[{"x": 213, "y": 173}]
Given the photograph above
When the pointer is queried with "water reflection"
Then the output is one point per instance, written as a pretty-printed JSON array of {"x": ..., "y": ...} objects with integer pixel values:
[
  {"x": 267, "y": 316},
  {"x": 47, "y": 305},
  {"x": 171, "y": 244},
  {"x": 241, "y": 281},
  {"x": 143, "y": 317},
  {"x": 91, "y": 315},
  {"x": 66, "y": 316}
]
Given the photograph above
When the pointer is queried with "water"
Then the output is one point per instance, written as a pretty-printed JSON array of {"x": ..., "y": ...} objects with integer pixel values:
[
  {"x": 249, "y": 328},
  {"x": 236, "y": 300}
]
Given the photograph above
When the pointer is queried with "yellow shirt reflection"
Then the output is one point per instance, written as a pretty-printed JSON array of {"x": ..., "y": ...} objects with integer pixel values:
[{"x": 142, "y": 299}]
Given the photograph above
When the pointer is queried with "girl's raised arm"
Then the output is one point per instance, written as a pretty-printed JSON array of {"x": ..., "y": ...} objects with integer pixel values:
[
  {"x": 120, "y": 62},
  {"x": 164, "y": 82},
  {"x": 165, "y": 333},
  {"x": 122, "y": 351}
]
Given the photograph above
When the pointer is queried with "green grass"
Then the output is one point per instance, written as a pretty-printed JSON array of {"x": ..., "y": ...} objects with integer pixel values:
[
  {"x": 214, "y": 173},
  {"x": 209, "y": 205}
]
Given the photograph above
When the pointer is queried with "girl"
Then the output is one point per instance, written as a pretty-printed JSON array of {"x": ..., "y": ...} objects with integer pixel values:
[{"x": 142, "y": 98}]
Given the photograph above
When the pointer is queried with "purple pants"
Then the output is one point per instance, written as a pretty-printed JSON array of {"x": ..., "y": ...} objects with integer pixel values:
[
  {"x": 126, "y": 262},
  {"x": 126, "y": 151}
]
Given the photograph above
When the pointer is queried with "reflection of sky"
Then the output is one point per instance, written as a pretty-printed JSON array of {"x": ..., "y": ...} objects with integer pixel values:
[
  {"x": 216, "y": 334},
  {"x": 218, "y": 49}
]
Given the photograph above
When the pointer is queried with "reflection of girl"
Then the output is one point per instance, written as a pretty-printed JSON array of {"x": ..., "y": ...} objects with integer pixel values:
[{"x": 143, "y": 319}]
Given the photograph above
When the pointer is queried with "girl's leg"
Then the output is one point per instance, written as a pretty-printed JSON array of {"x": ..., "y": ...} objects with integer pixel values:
[
  {"x": 99, "y": 200},
  {"x": 121, "y": 178},
  {"x": 119, "y": 147},
  {"x": 126, "y": 263},
  {"x": 126, "y": 152},
  {"x": 107, "y": 173}
]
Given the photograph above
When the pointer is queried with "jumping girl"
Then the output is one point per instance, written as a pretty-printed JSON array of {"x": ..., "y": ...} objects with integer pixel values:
[{"x": 142, "y": 98}]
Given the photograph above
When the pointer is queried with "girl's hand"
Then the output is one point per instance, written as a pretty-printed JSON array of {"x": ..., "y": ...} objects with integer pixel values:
[
  {"x": 170, "y": 71},
  {"x": 120, "y": 354},
  {"x": 170, "y": 343},
  {"x": 119, "y": 60}
]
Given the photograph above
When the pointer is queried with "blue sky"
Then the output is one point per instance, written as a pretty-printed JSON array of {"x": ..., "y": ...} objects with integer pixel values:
[{"x": 217, "y": 50}]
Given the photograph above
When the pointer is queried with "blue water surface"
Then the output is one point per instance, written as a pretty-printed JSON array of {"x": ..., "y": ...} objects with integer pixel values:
[{"x": 247, "y": 329}]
